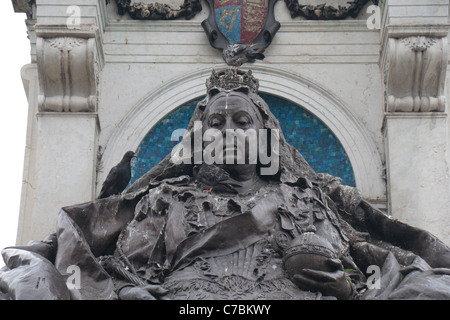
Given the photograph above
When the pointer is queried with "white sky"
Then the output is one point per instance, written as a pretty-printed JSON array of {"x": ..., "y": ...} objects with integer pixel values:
[{"x": 15, "y": 53}]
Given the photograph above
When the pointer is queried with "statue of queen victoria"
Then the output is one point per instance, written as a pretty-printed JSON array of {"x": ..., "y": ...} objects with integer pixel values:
[{"x": 260, "y": 225}]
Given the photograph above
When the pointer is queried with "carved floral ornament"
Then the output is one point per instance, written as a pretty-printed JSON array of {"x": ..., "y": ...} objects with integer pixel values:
[
  {"x": 158, "y": 11},
  {"x": 189, "y": 9},
  {"x": 65, "y": 43},
  {"x": 419, "y": 43}
]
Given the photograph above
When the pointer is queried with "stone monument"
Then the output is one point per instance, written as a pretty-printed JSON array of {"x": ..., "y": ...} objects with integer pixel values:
[
  {"x": 247, "y": 218},
  {"x": 235, "y": 210}
]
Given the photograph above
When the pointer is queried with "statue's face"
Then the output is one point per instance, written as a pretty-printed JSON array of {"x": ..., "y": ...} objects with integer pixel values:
[{"x": 229, "y": 113}]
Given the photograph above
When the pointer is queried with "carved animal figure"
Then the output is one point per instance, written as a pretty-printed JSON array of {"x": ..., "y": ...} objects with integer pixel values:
[{"x": 237, "y": 54}]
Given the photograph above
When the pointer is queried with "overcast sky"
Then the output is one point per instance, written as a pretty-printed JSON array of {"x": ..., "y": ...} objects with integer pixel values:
[{"x": 15, "y": 53}]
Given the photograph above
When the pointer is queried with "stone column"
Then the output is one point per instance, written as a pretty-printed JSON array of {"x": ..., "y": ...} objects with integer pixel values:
[
  {"x": 64, "y": 125},
  {"x": 414, "y": 63}
]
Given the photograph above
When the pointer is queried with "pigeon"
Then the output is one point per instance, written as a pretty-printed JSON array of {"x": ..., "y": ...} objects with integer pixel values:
[
  {"x": 238, "y": 54},
  {"x": 215, "y": 178},
  {"x": 118, "y": 178}
]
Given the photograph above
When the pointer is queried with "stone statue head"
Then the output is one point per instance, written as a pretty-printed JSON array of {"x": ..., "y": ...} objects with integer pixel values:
[
  {"x": 232, "y": 102},
  {"x": 231, "y": 125}
]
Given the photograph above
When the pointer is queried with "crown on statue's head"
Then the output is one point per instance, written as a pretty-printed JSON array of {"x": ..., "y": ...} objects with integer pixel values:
[{"x": 232, "y": 79}]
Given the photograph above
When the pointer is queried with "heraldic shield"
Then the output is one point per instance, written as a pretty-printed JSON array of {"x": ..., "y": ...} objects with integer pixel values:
[{"x": 240, "y": 21}]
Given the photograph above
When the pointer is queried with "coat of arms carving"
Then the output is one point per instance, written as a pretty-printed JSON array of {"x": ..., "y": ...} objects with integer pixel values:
[{"x": 242, "y": 29}]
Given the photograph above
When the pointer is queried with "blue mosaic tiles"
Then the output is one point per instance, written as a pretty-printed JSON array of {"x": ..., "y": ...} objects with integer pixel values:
[
  {"x": 312, "y": 138},
  {"x": 303, "y": 130}
]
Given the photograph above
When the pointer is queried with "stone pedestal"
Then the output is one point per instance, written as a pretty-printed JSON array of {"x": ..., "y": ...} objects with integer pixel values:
[
  {"x": 63, "y": 127},
  {"x": 62, "y": 175},
  {"x": 417, "y": 170}
]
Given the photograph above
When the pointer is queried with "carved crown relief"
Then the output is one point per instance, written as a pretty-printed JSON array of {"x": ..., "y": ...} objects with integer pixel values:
[
  {"x": 415, "y": 74},
  {"x": 67, "y": 74}
]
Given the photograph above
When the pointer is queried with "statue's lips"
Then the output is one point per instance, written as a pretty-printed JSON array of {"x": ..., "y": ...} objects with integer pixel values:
[
  {"x": 231, "y": 154},
  {"x": 230, "y": 151}
]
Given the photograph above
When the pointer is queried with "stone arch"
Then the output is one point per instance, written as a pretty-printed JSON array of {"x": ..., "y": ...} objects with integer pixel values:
[{"x": 354, "y": 137}]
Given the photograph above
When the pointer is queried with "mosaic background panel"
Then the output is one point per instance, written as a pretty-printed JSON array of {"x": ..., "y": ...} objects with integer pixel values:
[{"x": 303, "y": 130}]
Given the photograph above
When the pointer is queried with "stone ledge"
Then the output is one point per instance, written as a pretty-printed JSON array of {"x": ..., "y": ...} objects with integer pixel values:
[
  {"x": 58, "y": 30},
  {"x": 430, "y": 30},
  {"x": 415, "y": 115},
  {"x": 86, "y": 115}
]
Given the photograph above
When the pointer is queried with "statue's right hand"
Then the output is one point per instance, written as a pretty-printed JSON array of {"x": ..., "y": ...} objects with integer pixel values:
[{"x": 143, "y": 292}]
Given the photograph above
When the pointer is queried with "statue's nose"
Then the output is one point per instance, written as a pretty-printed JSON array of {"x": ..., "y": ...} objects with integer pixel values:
[{"x": 228, "y": 125}]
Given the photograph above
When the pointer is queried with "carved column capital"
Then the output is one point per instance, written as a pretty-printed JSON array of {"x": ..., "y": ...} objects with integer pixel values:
[
  {"x": 69, "y": 65},
  {"x": 414, "y": 69}
]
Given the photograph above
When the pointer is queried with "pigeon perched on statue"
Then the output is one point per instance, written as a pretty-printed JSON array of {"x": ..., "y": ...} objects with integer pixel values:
[
  {"x": 118, "y": 177},
  {"x": 212, "y": 177},
  {"x": 237, "y": 54}
]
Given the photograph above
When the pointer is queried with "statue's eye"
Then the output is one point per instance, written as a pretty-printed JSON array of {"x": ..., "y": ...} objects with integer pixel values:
[
  {"x": 215, "y": 123},
  {"x": 242, "y": 121}
]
